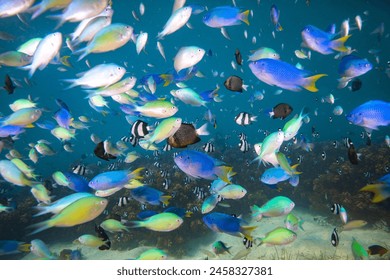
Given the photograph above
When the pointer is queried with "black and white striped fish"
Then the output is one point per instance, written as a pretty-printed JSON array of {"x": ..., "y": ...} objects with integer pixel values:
[
  {"x": 79, "y": 169},
  {"x": 242, "y": 136},
  {"x": 113, "y": 166},
  {"x": 138, "y": 130},
  {"x": 167, "y": 147},
  {"x": 126, "y": 139},
  {"x": 164, "y": 173},
  {"x": 166, "y": 183},
  {"x": 244, "y": 146},
  {"x": 209, "y": 147},
  {"x": 244, "y": 118},
  {"x": 334, "y": 239},
  {"x": 122, "y": 201},
  {"x": 335, "y": 208},
  {"x": 156, "y": 153},
  {"x": 157, "y": 164},
  {"x": 200, "y": 193}
]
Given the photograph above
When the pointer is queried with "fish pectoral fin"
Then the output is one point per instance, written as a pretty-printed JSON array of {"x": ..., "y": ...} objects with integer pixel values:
[{"x": 310, "y": 82}]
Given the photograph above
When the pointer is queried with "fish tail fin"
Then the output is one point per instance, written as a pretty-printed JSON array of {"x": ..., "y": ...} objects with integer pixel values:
[
  {"x": 135, "y": 174},
  {"x": 256, "y": 212},
  {"x": 380, "y": 191},
  {"x": 254, "y": 118},
  {"x": 247, "y": 231},
  {"x": 41, "y": 226},
  {"x": 300, "y": 223},
  {"x": 244, "y": 17},
  {"x": 165, "y": 199},
  {"x": 136, "y": 224},
  {"x": 310, "y": 82},
  {"x": 338, "y": 45},
  {"x": 59, "y": 18},
  {"x": 83, "y": 52},
  {"x": 72, "y": 81},
  {"x": 225, "y": 173},
  {"x": 278, "y": 27},
  {"x": 168, "y": 78},
  {"x": 129, "y": 109},
  {"x": 343, "y": 82},
  {"x": 25, "y": 248},
  {"x": 294, "y": 168},
  {"x": 188, "y": 214},
  {"x": 202, "y": 130}
]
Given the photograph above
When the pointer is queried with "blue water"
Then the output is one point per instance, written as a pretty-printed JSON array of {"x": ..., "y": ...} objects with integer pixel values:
[{"x": 48, "y": 84}]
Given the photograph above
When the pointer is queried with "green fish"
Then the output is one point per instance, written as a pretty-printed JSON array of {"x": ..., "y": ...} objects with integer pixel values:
[
  {"x": 278, "y": 236},
  {"x": 153, "y": 254},
  {"x": 162, "y": 222},
  {"x": 12, "y": 174},
  {"x": 292, "y": 222},
  {"x": 113, "y": 225},
  {"x": 358, "y": 250},
  {"x": 277, "y": 206},
  {"x": 14, "y": 59},
  {"x": 23, "y": 117},
  {"x": 165, "y": 129},
  {"x": 81, "y": 211},
  {"x": 220, "y": 248},
  {"x": 291, "y": 127},
  {"x": 107, "y": 39},
  {"x": 283, "y": 162}
]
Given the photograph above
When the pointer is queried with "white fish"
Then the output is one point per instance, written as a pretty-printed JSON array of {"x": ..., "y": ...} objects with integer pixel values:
[
  {"x": 345, "y": 28},
  {"x": 47, "y": 49},
  {"x": 225, "y": 33},
  {"x": 10, "y": 8},
  {"x": 30, "y": 46},
  {"x": 141, "y": 9},
  {"x": 176, "y": 21},
  {"x": 107, "y": 12},
  {"x": 140, "y": 44},
  {"x": 101, "y": 75},
  {"x": 161, "y": 50},
  {"x": 178, "y": 4},
  {"x": 359, "y": 22},
  {"x": 45, "y": 5},
  {"x": 79, "y": 10},
  {"x": 114, "y": 89},
  {"x": 90, "y": 30},
  {"x": 187, "y": 57}
]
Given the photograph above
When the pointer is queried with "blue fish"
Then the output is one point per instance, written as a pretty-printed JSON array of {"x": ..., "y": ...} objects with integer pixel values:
[
  {"x": 149, "y": 195},
  {"x": 274, "y": 175},
  {"x": 220, "y": 222},
  {"x": 46, "y": 124},
  {"x": 112, "y": 179},
  {"x": 146, "y": 214},
  {"x": 284, "y": 75},
  {"x": 225, "y": 16},
  {"x": 274, "y": 14},
  {"x": 63, "y": 118},
  {"x": 352, "y": 66},
  {"x": 201, "y": 165},
  {"x": 8, "y": 247},
  {"x": 371, "y": 114},
  {"x": 181, "y": 212},
  {"x": 77, "y": 182},
  {"x": 322, "y": 41},
  {"x": 11, "y": 130}
]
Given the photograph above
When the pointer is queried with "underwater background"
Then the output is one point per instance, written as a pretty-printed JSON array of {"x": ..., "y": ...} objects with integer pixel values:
[{"x": 327, "y": 176}]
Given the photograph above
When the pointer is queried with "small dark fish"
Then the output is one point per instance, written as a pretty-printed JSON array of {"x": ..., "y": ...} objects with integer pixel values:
[
  {"x": 323, "y": 155},
  {"x": 377, "y": 250},
  {"x": 300, "y": 159},
  {"x": 235, "y": 83},
  {"x": 330, "y": 119},
  {"x": 103, "y": 235},
  {"x": 335, "y": 144},
  {"x": 368, "y": 140},
  {"x": 238, "y": 56},
  {"x": 334, "y": 238},
  {"x": 356, "y": 84},
  {"x": 9, "y": 85},
  {"x": 6, "y": 36},
  {"x": 335, "y": 208},
  {"x": 352, "y": 155},
  {"x": 101, "y": 153},
  {"x": 184, "y": 136},
  {"x": 157, "y": 164},
  {"x": 281, "y": 111}
]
